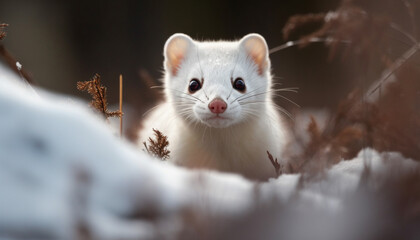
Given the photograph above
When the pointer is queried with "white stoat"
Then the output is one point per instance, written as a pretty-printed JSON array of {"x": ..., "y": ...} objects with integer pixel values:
[{"x": 218, "y": 112}]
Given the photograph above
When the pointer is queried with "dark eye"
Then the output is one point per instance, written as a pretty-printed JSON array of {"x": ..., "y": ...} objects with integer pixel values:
[
  {"x": 194, "y": 86},
  {"x": 239, "y": 85}
]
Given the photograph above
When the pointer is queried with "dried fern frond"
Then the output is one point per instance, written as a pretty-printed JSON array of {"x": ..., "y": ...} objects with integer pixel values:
[
  {"x": 158, "y": 147},
  {"x": 2, "y": 31},
  {"x": 98, "y": 93}
]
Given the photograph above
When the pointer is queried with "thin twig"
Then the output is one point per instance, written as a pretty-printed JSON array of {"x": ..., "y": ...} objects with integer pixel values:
[
  {"x": 304, "y": 42},
  {"x": 410, "y": 12},
  {"x": 400, "y": 30},
  {"x": 395, "y": 66}
]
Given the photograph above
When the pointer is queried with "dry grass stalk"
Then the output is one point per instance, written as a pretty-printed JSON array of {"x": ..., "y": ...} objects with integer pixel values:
[
  {"x": 98, "y": 93},
  {"x": 158, "y": 147},
  {"x": 10, "y": 60},
  {"x": 349, "y": 23},
  {"x": 296, "y": 21}
]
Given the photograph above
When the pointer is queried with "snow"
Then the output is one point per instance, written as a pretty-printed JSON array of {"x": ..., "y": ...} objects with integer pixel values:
[{"x": 61, "y": 165}]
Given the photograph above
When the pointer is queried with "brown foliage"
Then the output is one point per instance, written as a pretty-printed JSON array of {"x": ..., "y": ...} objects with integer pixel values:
[
  {"x": 158, "y": 147},
  {"x": 349, "y": 23},
  {"x": 2, "y": 31},
  {"x": 98, "y": 93},
  {"x": 389, "y": 123},
  {"x": 395, "y": 118}
]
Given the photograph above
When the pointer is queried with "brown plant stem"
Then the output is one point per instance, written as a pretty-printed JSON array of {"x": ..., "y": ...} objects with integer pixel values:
[
  {"x": 11, "y": 61},
  {"x": 395, "y": 66},
  {"x": 275, "y": 163}
]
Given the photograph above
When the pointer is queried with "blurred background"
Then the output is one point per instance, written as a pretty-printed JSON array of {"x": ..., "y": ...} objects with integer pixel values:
[{"x": 62, "y": 42}]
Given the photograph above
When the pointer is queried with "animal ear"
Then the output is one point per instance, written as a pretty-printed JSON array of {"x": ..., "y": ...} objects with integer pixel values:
[
  {"x": 175, "y": 51},
  {"x": 256, "y": 48}
]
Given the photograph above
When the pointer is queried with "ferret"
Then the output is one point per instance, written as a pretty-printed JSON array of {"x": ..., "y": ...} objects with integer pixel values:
[{"x": 218, "y": 111}]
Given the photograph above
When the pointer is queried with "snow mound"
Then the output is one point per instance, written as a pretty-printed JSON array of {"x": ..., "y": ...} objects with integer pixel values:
[{"x": 65, "y": 175}]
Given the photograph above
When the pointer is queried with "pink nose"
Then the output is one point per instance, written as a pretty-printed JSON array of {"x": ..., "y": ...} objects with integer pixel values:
[{"x": 217, "y": 106}]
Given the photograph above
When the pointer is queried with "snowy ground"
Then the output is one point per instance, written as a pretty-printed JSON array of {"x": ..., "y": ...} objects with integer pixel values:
[{"x": 65, "y": 175}]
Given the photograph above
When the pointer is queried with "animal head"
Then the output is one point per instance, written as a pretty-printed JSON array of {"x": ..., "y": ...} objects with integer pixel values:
[{"x": 217, "y": 83}]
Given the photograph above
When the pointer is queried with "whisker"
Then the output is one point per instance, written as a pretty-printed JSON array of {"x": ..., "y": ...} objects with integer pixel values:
[
  {"x": 231, "y": 90},
  {"x": 277, "y": 95},
  {"x": 276, "y": 107},
  {"x": 251, "y": 112},
  {"x": 189, "y": 95},
  {"x": 287, "y": 99},
  {"x": 294, "y": 89},
  {"x": 151, "y": 109},
  {"x": 204, "y": 134},
  {"x": 269, "y": 91},
  {"x": 246, "y": 94},
  {"x": 205, "y": 94},
  {"x": 201, "y": 71},
  {"x": 180, "y": 103},
  {"x": 284, "y": 111},
  {"x": 157, "y": 86},
  {"x": 183, "y": 111},
  {"x": 189, "y": 99}
]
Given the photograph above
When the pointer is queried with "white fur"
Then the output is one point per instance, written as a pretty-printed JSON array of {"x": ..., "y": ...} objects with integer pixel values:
[{"x": 252, "y": 126}]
